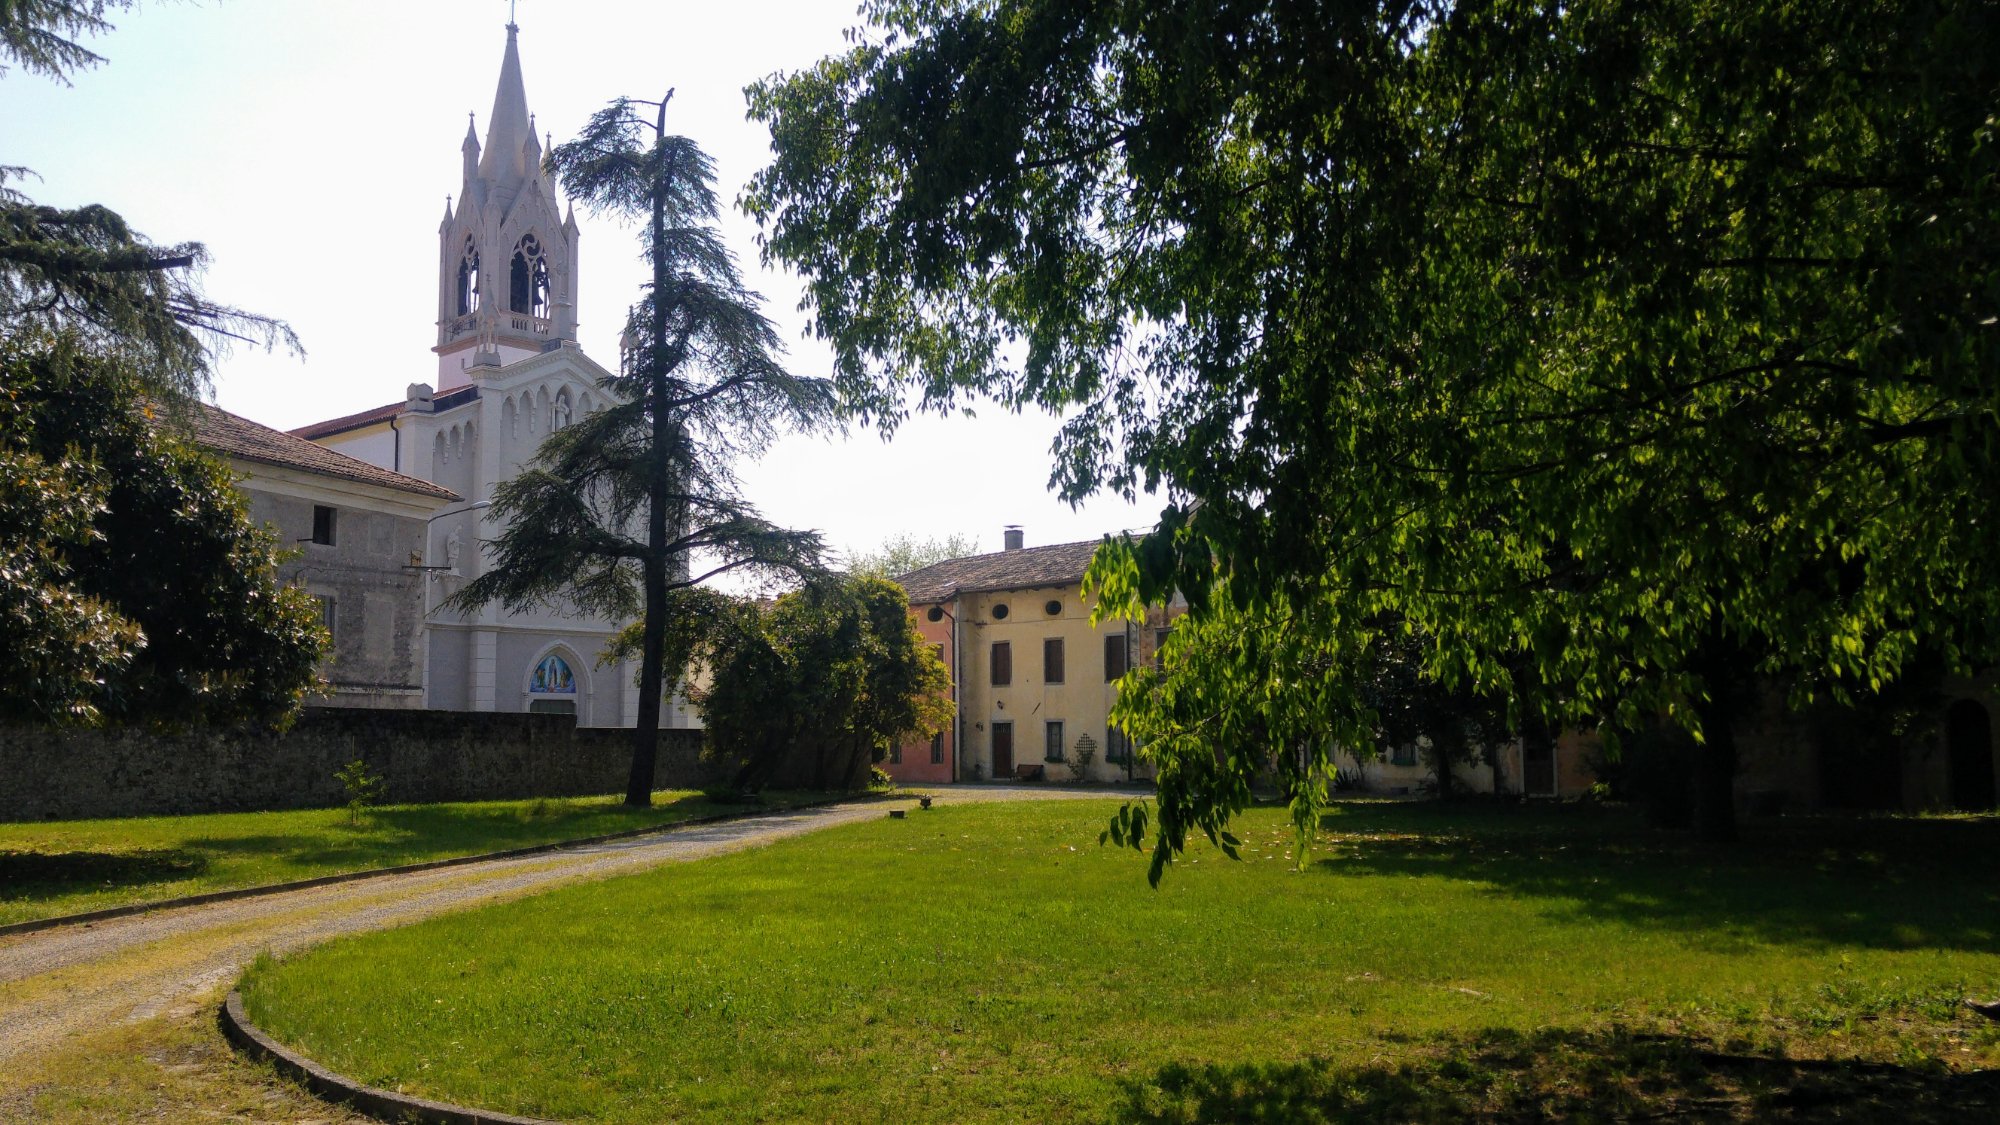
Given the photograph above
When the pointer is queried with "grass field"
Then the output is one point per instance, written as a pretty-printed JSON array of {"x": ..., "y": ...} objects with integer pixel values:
[
  {"x": 992, "y": 963},
  {"x": 65, "y": 867}
]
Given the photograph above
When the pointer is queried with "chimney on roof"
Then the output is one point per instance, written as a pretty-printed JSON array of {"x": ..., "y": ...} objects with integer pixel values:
[
  {"x": 417, "y": 399},
  {"x": 1011, "y": 537}
]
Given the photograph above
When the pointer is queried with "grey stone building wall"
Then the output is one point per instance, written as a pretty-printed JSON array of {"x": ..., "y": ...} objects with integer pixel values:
[
  {"x": 424, "y": 755},
  {"x": 378, "y": 656}
]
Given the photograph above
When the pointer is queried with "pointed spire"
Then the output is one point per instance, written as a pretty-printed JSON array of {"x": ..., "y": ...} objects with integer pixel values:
[
  {"x": 508, "y": 130},
  {"x": 446, "y": 225}
]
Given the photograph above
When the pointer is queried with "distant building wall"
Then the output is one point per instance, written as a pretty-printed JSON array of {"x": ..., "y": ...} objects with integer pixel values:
[
  {"x": 424, "y": 755},
  {"x": 376, "y": 599}
]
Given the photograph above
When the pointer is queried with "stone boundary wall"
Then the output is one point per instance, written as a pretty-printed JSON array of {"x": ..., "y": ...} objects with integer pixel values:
[{"x": 424, "y": 755}]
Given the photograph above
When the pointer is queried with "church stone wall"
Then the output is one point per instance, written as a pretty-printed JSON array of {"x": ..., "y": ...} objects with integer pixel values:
[{"x": 425, "y": 756}]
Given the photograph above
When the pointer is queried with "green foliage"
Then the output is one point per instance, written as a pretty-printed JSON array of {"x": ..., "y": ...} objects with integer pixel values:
[
  {"x": 632, "y": 503},
  {"x": 364, "y": 787},
  {"x": 95, "y": 480},
  {"x": 902, "y": 553},
  {"x": 818, "y": 682},
  {"x": 1628, "y": 352}
]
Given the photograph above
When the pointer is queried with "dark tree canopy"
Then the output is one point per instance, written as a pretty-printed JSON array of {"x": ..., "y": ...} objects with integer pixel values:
[
  {"x": 1627, "y": 350},
  {"x": 136, "y": 588},
  {"x": 41, "y": 36},
  {"x": 637, "y": 501},
  {"x": 816, "y": 685}
]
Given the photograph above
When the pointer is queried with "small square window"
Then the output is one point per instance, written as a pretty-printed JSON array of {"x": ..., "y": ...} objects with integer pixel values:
[{"x": 323, "y": 525}]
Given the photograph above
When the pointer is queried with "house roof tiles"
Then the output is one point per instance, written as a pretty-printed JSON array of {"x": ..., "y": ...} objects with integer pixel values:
[{"x": 1056, "y": 565}]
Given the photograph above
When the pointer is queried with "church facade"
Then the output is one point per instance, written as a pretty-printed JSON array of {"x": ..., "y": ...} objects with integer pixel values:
[{"x": 509, "y": 373}]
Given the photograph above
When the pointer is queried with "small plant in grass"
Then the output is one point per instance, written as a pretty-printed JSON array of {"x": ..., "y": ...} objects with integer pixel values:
[
  {"x": 363, "y": 785},
  {"x": 879, "y": 780},
  {"x": 1081, "y": 755}
]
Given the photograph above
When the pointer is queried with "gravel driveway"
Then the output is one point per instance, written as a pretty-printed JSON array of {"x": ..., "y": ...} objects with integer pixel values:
[{"x": 58, "y": 983}]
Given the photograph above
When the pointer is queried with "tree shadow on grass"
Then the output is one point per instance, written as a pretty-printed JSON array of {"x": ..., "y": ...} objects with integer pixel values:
[
  {"x": 1508, "y": 1076},
  {"x": 36, "y": 876},
  {"x": 1891, "y": 883}
]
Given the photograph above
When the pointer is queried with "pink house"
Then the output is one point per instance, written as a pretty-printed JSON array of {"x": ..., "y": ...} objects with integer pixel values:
[{"x": 933, "y": 761}]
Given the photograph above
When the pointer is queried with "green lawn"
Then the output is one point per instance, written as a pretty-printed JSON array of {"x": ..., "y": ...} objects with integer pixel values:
[
  {"x": 992, "y": 963},
  {"x": 65, "y": 867}
]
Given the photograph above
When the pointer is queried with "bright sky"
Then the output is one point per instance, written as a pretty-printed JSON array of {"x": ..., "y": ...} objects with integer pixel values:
[{"x": 311, "y": 145}]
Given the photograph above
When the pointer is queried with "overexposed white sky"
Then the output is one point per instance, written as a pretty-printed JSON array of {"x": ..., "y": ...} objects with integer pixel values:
[{"x": 311, "y": 145}]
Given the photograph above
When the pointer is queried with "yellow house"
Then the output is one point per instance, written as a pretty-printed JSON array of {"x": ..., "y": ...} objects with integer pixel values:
[{"x": 1033, "y": 679}]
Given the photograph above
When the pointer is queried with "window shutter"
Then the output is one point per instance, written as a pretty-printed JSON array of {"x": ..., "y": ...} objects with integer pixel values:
[
  {"x": 1114, "y": 657},
  {"x": 1052, "y": 660},
  {"x": 1003, "y": 663}
]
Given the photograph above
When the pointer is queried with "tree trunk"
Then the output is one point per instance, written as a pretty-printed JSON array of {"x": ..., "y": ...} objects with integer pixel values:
[
  {"x": 652, "y": 674},
  {"x": 1715, "y": 774}
]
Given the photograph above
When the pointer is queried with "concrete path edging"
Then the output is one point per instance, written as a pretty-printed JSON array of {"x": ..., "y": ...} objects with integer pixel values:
[
  {"x": 383, "y": 1105},
  {"x": 130, "y": 909}
]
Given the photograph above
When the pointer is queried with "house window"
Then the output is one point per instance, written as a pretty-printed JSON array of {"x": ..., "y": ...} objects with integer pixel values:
[
  {"x": 1160, "y": 638},
  {"x": 552, "y": 707},
  {"x": 323, "y": 520},
  {"x": 896, "y": 755},
  {"x": 1114, "y": 657},
  {"x": 1003, "y": 663},
  {"x": 1403, "y": 754},
  {"x": 1000, "y": 612},
  {"x": 937, "y": 749},
  {"x": 1117, "y": 747},
  {"x": 326, "y": 613},
  {"x": 1052, "y": 660},
  {"x": 1054, "y": 753}
]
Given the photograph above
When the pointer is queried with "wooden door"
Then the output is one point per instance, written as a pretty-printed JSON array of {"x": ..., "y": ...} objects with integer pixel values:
[{"x": 1003, "y": 750}]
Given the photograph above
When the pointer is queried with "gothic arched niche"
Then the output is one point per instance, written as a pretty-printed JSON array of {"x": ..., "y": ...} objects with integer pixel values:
[
  {"x": 559, "y": 410},
  {"x": 468, "y": 279},
  {"x": 528, "y": 278}
]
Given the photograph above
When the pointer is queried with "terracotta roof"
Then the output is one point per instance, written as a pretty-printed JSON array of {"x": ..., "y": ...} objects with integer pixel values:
[
  {"x": 1058, "y": 565},
  {"x": 234, "y": 436},
  {"x": 348, "y": 422}
]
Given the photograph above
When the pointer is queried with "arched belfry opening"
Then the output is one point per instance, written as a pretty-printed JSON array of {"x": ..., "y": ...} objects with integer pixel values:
[
  {"x": 468, "y": 279},
  {"x": 1969, "y": 742},
  {"x": 528, "y": 279}
]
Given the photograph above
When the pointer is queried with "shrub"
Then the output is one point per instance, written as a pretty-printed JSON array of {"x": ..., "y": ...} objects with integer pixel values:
[
  {"x": 363, "y": 786},
  {"x": 1081, "y": 755}
]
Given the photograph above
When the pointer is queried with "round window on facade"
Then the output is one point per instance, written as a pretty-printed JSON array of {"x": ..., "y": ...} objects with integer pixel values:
[
  {"x": 1054, "y": 608},
  {"x": 936, "y": 613},
  {"x": 1000, "y": 612}
]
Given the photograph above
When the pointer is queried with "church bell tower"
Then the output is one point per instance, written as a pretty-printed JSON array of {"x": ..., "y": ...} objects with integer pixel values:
[{"x": 507, "y": 250}]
